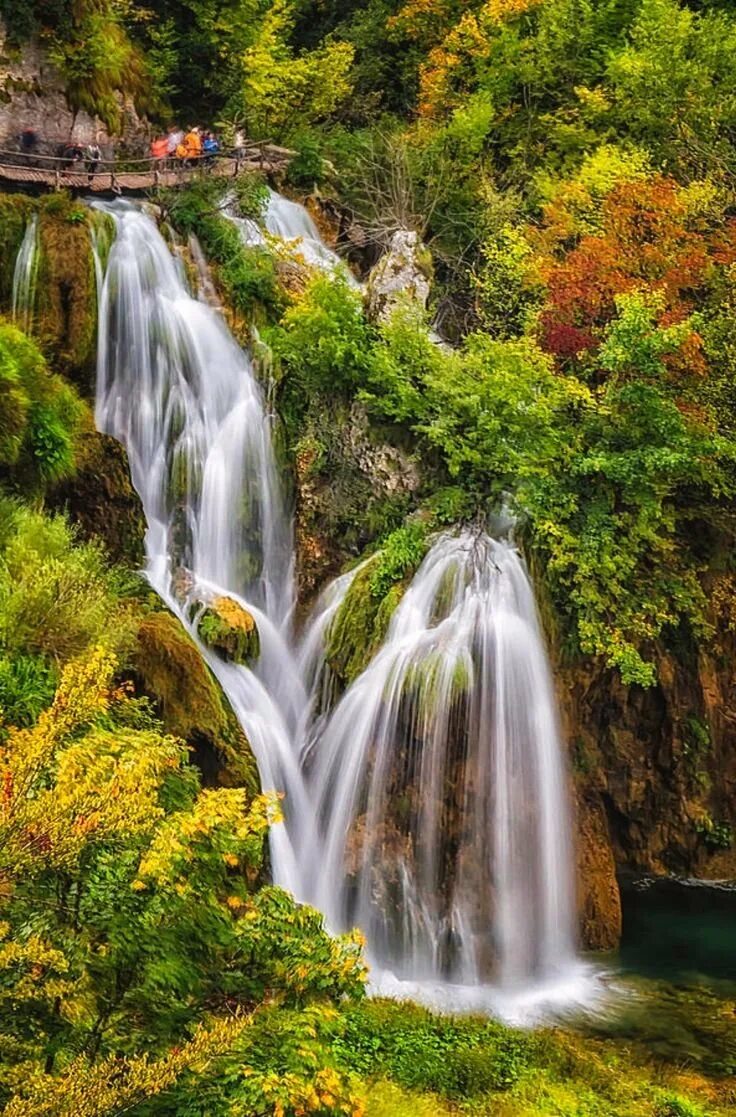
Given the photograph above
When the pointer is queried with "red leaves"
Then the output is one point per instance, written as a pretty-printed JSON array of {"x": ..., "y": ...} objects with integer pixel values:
[{"x": 648, "y": 240}]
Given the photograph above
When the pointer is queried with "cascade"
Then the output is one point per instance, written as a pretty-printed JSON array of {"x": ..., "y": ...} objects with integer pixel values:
[
  {"x": 440, "y": 786},
  {"x": 175, "y": 388},
  {"x": 289, "y": 222},
  {"x": 25, "y": 274},
  {"x": 427, "y": 804}
]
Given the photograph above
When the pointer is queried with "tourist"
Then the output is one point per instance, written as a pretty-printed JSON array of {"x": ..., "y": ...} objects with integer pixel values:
[
  {"x": 210, "y": 147},
  {"x": 191, "y": 148},
  {"x": 160, "y": 148},
  {"x": 174, "y": 140},
  {"x": 94, "y": 157},
  {"x": 72, "y": 153},
  {"x": 239, "y": 143}
]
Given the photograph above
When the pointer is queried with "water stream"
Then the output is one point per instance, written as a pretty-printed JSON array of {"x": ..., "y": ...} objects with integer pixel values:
[
  {"x": 428, "y": 803},
  {"x": 25, "y": 274}
]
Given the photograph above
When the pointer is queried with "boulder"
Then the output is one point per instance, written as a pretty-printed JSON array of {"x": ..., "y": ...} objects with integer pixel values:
[
  {"x": 403, "y": 273},
  {"x": 228, "y": 628}
]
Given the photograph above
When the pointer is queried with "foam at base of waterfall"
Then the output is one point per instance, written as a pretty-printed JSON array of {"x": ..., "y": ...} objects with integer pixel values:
[{"x": 578, "y": 987}]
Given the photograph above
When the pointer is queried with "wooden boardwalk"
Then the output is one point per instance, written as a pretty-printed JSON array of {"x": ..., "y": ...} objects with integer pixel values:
[{"x": 133, "y": 176}]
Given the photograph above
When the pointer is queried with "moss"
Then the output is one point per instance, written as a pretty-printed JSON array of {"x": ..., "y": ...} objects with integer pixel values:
[
  {"x": 191, "y": 704},
  {"x": 101, "y": 500},
  {"x": 230, "y": 629},
  {"x": 67, "y": 293},
  {"x": 360, "y": 626}
]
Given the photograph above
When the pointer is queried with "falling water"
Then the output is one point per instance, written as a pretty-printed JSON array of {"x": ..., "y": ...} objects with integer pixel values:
[
  {"x": 178, "y": 392},
  {"x": 427, "y": 804},
  {"x": 290, "y": 223},
  {"x": 440, "y": 786},
  {"x": 25, "y": 275}
]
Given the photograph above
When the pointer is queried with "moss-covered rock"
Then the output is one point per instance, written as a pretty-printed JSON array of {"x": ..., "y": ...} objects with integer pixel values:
[
  {"x": 15, "y": 210},
  {"x": 191, "y": 704},
  {"x": 101, "y": 500},
  {"x": 360, "y": 626},
  {"x": 66, "y": 310},
  {"x": 228, "y": 628}
]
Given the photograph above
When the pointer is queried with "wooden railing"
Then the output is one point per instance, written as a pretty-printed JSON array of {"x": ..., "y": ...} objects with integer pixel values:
[{"x": 122, "y": 175}]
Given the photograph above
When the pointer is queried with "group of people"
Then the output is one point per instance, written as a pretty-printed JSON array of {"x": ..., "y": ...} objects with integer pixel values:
[
  {"x": 68, "y": 154},
  {"x": 195, "y": 147},
  {"x": 188, "y": 147}
]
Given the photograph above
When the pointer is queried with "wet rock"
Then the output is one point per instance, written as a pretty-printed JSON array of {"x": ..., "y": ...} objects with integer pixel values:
[
  {"x": 403, "y": 273},
  {"x": 599, "y": 902},
  {"x": 228, "y": 628}
]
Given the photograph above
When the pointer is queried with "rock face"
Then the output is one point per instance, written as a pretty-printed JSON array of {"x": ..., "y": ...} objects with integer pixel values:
[
  {"x": 655, "y": 775},
  {"x": 32, "y": 96},
  {"x": 168, "y": 667},
  {"x": 349, "y": 475},
  {"x": 403, "y": 273},
  {"x": 101, "y": 500}
]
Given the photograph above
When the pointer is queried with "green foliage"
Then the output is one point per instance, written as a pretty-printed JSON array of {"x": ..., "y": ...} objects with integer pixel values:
[
  {"x": 715, "y": 834},
  {"x": 282, "y": 90},
  {"x": 58, "y": 595},
  {"x": 453, "y": 1057},
  {"x": 361, "y": 623},
  {"x": 40, "y": 415},
  {"x": 27, "y": 685},
  {"x": 133, "y": 913},
  {"x": 248, "y": 276}
]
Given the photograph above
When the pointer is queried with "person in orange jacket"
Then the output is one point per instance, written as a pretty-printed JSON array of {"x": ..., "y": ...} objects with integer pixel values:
[{"x": 192, "y": 145}]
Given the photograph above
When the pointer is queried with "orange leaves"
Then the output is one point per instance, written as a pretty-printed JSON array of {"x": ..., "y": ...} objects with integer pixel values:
[{"x": 649, "y": 240}]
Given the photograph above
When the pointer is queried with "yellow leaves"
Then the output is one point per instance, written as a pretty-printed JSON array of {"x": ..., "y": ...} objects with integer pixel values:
[
  {"x": 138, "y": 885},
  {"x": 220, "y": 823},
  {"x": 115, "y": 1085},
  {"x": 83, "y": 693}
]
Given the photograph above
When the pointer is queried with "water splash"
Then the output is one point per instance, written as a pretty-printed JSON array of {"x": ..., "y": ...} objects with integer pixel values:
[{"x": 25, "y": 275}]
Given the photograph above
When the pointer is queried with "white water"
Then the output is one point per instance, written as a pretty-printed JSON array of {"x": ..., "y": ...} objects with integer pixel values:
[
  {"x": 293, "y": 227},
  {"x": 178, "y": 392},
  {"x": 24, "y": 276},
  {"x": 433, "y": 812},
  {"x": 441, "y": 793}
]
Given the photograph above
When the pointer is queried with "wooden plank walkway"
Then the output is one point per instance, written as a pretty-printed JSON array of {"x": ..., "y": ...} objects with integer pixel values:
[{"x": 47, "y": 172}]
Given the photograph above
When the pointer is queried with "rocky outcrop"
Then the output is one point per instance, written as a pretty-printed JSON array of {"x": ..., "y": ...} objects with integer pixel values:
[
  {"x": 168, "y": 667},
  {"x": 101, "y": 500},
  {"x": 350, "y": 476},
  {"x": 402, "y": 274},
  {"x": 32, "y": 95},
  {"x": 655, "y": 773}
]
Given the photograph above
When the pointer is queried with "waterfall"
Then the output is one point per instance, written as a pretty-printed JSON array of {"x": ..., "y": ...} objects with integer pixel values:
[
  {"x": 440, "y": 786},
  {"x": 179, "y": 393},
  {"x": 25, "y": 274},
  {"x": 427, "y": 804},
  {"x": 290, "y": 223}
]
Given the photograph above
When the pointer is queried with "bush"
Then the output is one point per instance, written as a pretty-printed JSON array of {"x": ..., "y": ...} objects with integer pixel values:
[
  {"x": 58, "y": 595},
  {"x": 453, "y": 1057},
  {"x": 40, "y": 415}
]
